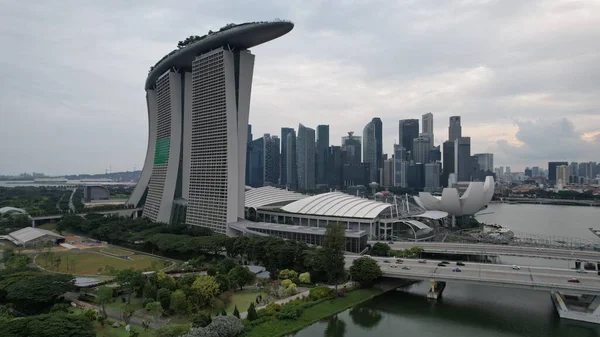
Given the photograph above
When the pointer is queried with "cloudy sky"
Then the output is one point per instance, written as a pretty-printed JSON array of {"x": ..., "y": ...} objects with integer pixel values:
[{"x": 524, "y": 75}]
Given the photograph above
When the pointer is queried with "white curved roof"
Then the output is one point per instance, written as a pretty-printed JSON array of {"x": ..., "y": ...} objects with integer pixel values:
[
  {"x": 267, "y": 195},
  {"x": 8, "y": 209},
  {"x": 337, "y": 204},
  {"x": 475, "y": 198}
]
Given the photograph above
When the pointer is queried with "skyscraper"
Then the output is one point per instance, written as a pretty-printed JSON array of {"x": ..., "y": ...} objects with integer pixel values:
[
  {"x": 291, "y": 161},
  {"x": 388, "y": 173},
  {"x": 462, "y": 158},
  {"x": 454, "y": 129},
  {"x": 305, "y": 152},
  {"x": 408, "y": 130},
  {"x": 562, "y": 174},
  {"x": 435, "y": 154},
  {"x": 399, "y": 152},
  {"x": 400, "y": 168},
  {"x": 432, "y": 177},
  {"x": 421, "y": 148},
  {"x": 485, "y": 161},
  {"x": 447, "y": 161},
  {"x": 283, "y": 162},
  {"x": 552, "y": 165},
  {"x": 370, "y": 149},
  {"x": 322, "y": 153},
  {"x": 335, "y": 167},
  {"x": 378, "y": 143},
  {"x": 271, "y": 156},
  {"x": 352, "y": 147},
  {"x": 257, "y": 163},
  {"x": 427, "y": 126},
  {"x": 198, "y": 100}
]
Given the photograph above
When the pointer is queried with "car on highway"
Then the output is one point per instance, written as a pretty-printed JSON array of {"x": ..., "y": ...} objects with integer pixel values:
[
  {"x": 515, "y": 267},
  {"x": 394, "y": 266},
  {"x": 441, "y": 264},
  {"x": 456, "y": 270},
  {"x": 445, "y": 262},
  {"x": 425, "y": 261},
  {"x": 573, "y": 280},
  {"x": 460, "y": 263},
  {"x": 366, "y": 255},
  {"x": 406, "y": 268},
  {"x": 581, "y": 271},
  {"x": 391, "y": 242},
  {"x": 387, "y": 261},
  {"x": 399, "y": 260}
]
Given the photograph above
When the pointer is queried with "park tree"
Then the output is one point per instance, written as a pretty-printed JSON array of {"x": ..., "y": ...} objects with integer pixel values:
[
  {"x": 226, "y": 265},
  {"x": 221, "y": 326},
  {"x": 201, "y": 319},
  {"x": 252, "y": 315},
  {"x": 131, "y": 281},
  {"x": 33, "y": 292},
  {"x": 105, "y": 295},
  {"x": 224, "y": 282},
  {"x": 178, "y": 303},
  {"x": 240, "y": 276},
  {"x": 334, "y": 245},
  {"x": 206, "y": 289},
  {"x": 127, "y": 313},
  {"x": 165, "y": 281},
  {"x": 163, "y": 296},
  {"x": 380, "y": 249},
  {"x": 365, "y": 271},
  {"x": 155, "y": 309},
  {"x": 149, "y": 290}
]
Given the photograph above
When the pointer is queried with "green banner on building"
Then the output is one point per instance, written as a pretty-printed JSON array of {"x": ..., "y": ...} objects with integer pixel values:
[{"x": 161, "y": 154}]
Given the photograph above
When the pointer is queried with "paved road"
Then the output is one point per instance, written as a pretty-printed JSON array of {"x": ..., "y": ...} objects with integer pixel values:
[
  {"x": 487, "y": 249},
  {"x": 537, "y": 278}
]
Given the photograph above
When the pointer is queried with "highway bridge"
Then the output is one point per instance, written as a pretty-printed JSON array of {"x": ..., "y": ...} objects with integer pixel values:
[
  {"x": 502, "y": 250},
  {"x": 553, "y": 280}
]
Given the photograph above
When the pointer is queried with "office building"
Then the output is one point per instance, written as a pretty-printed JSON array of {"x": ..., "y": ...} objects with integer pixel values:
[
  {"x": 198, "y": 100},
  {"x": 447, "y": 162},
  {"x": 535, "y": 171},
  {"x": 562, "y": 174},
  {"x": 454, "y": 129},
  {"x": 415, "y": 175},
  {"x": 435, "y": 155},
  {"x": 552, "y": 170},
  {"x": 528, "y": 173},
  {"x": 462, "y": 158},
  {"x": 420, "y": 150},
  {"x": 322, "y": 153},
  {"x": 335, "y": 167},
  {"x": 352, "y": 147},
  {"x": 356, "y": 174},
  {"x": 399, "y": 152},
  {"x": 378, "y": 142},
  {"x": 408, "y": 130},
  {"x": 372, "y": 147},
  {"x": 388, "y": 173},
  {"x": 485, "y": 161},
  {"x": 305, "y": 157},
  {"x": 271, "y": 156},
  {"x": 432, "y": 177},
  {"x": 291, "y": 161},
  {"x": 400, "y": 170},
  {"x": 257, "y": 163},
  {"x": 283, "y": 166},
  {"x": 427, "y": 120}
]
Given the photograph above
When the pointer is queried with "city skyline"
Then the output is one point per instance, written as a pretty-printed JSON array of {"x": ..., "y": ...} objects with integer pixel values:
[{"x": 506, "y": 86}]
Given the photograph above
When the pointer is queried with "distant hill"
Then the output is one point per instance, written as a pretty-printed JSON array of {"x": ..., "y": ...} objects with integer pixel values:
[{"x": 116, "y": 176}]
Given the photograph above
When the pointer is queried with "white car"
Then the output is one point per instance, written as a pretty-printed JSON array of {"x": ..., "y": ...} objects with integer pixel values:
[
  {"x": 515, "y": 267},
  {"x": 394, "y": 266}
]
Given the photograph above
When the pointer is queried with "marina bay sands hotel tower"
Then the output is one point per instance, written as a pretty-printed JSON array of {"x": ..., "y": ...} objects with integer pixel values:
[{"x": 198, "y": 99}]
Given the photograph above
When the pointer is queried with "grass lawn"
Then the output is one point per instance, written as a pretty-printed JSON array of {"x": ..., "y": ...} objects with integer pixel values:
[
  {"x": 117, "y": 251},
  {"x": 91, "y": 263},
  {"x": 119, "y": 305},
  {"x": 243, "y": 298},
  {"x": 277, "y": 328},
  {"x": 50, "y": 226}
]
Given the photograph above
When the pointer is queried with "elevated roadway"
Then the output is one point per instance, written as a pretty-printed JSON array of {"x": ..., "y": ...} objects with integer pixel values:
[
  {"x": 535, "y": 278},
  {"x": 505, "y": 250}
]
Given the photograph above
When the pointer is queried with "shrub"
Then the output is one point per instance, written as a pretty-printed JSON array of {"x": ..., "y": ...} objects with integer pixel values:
[
  {"x": 221, "y": 326},
  {"x": 290, "y": 311},
  {"x": 236, "y": 312},
  {"x": 173, "y": 330},
  {"x": 286, "y": 283},
  {"x": 304, "y": 278},
  {"x": 271, "y": 309},
  {"x": 320, "y": 292},
  {"x": 252, "y": 315},
  {"x": 288, "y": 274}
]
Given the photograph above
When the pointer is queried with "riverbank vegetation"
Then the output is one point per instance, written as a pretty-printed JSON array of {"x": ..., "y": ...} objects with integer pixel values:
[{"x": 384, "y": 250}]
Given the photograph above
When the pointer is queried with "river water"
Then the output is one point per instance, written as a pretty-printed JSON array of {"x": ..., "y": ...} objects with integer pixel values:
[{"x": 477, "y": 311}]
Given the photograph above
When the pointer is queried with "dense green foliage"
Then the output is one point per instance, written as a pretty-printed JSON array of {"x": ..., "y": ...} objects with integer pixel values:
[
  {"x": 334, "y": 245},
  {"x": 365, "y": 271},
  {"x": 221, "y": 326},
  {"x": 48, "y": 325},
  {"x": 380, "y": 249},
  {"x": 240, "y": 276},
  {"x": 33, "y": 292},
  {"x": 320, "y": 292},
  {"x": 37, "y": 201}
]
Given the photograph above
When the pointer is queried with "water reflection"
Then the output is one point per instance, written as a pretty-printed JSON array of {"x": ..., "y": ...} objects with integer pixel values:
[
  {"x": 365, "y": 317},
  {"x": 335, "y": 327}
]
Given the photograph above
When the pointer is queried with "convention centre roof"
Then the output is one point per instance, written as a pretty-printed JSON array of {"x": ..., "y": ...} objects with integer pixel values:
[
  {"x": 247, "y": 226},
  {"x": 265, "y": 196},
  {"x": 9, "y": 210},
  {"x": 337, "y": 204}
]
